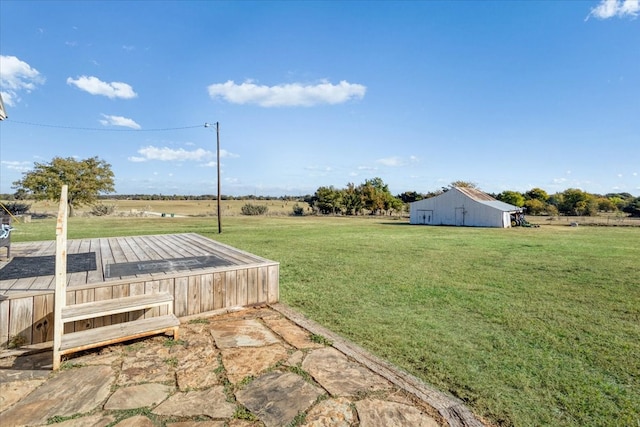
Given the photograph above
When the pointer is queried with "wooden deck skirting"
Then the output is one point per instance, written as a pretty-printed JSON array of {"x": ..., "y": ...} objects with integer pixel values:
[{"x": 26, "y": 304}]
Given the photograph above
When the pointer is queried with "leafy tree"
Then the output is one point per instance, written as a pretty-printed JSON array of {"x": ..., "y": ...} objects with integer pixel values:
[
  {"x": 552, "y": 210},
  {"x": 327, "y": 200},
  {"x": 577, "y": 202},
  {"x": 633, "y": 208},
  {"x": 352, "y": 200},
  {"x": 535, "y": 206},
  {"x": 606, "y": 205},
  {"x": 373, "y": 193},
  {"x": 393, "y": 204},
  {"x": 86, "y": 180},
  {"x": 465, "y": 184},
  {"x": 377, "y": 197},
  {"x": 537, "y": 194},
  {"x": 511, "y": 197},
  {"x": 410, "y": 196},
  {"x": 21, "y": 194}
]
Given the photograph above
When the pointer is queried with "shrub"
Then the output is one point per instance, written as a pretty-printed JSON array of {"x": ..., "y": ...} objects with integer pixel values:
[
  {"x": 251, "y": 209},
  {"x": 298, "y": 210},
  {"x": 17, "y": 208},
  {"x": 100, "y": 209}
]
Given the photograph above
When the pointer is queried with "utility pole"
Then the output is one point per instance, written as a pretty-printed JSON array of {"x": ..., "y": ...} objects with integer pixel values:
[{"x": 218, "y": 167}]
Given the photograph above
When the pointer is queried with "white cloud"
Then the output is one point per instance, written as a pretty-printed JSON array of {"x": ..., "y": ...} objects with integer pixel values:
[
  {"x": 119, "y": 121},
  {"x": 391, "y": 161},
  {"x": 95, "y": 86},
  {"x": 18, "y": 166},
  {"x": 396, "y": 161},
  {"x": 17, "y": 76},
  {"x": 615, "y": 8},
  {"x": 226, "y": 154},
  {"x": 286, "y": 95},
  {"x": 166, "y": 154}
]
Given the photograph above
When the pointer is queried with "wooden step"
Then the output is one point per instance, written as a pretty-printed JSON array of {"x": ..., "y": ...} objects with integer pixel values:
[
  {"x": 93, "y": 309},
  {"x": 106, "y": 335}
]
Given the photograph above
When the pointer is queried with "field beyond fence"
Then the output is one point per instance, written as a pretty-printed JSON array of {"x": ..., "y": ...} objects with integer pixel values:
[{"x": 529, "y": 326}]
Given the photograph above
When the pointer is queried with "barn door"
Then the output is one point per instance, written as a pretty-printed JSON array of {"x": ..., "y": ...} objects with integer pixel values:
[
  {"x": 425, "y": 216},
  {"x": 460, "y": 216}
]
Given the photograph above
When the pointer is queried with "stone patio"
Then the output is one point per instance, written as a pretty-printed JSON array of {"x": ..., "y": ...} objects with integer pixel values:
[{"x": 255, "y": 367}]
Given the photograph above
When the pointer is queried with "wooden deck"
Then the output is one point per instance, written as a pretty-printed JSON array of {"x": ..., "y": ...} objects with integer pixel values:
[{"x": 202, "y": 275}]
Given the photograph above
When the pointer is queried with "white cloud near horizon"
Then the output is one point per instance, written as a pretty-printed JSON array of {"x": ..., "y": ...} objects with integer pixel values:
[
  {"x": 287, "y": 95},
  {"x": 95, "y": 86},
  {"x": 166, "y": 154},
  {"x": 17, "y": 76},
  {"x": 396, "y": 161},
  {"x": 18, "y": 166},
  {"x": 615, "y": 8},
  {"x": 119, "y": 121}
]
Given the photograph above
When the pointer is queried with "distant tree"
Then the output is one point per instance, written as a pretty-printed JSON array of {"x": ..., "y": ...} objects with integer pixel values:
[
  {"x": 464, "y": 184},
  {"x": 377, "y": 197},
  {"x": 352, "y": 200},
  {"x": 535, "y": 206},
  {"x": 86, "y": 180},
  {"x": 327, "y": 200},
  {"x": 574, "y": 201},
  {"x": 21, "y": 194},
  {"x": 511, "y": 197},
  {"x": 410, "y": 196},
  {"x": 633, "y": 208},
  {"x": 606, "y": 205},
  {"x": 537, "y": 194},
  {"x": 551, "y": 210}
]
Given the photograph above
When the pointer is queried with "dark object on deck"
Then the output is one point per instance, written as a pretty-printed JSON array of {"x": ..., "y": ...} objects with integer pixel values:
[
  {"x": 34, "y": 266},
  {"x": 5, "y": 234},
  {"x": 163, "y": 265}
]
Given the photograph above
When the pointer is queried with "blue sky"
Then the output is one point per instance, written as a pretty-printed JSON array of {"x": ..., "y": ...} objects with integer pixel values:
[{"x": 510, "y": 95}]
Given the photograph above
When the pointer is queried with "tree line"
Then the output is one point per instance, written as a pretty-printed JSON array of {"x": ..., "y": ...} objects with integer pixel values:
[{"x": 91, "y": 180}]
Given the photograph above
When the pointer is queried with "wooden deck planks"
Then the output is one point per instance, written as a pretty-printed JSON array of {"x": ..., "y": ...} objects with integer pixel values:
[
  {"x": 126, "y": 249},
  {"x": 26, "y": 304}
]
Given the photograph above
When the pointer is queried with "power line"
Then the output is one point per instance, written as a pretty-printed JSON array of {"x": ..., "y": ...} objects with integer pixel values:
[{"x": 101, "y": 129}]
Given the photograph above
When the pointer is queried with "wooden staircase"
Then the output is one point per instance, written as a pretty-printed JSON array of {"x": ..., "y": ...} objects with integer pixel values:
[{"x": 105, "y": 335}]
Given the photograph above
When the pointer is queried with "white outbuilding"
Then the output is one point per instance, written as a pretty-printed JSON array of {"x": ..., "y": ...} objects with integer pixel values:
[{"x": 463, "y": 206}]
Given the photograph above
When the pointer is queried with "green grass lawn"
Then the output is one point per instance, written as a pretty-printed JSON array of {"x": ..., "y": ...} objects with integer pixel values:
[{"x": 527, "y": 326}]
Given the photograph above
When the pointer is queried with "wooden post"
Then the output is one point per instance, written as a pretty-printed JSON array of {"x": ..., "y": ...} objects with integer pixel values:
[
  {"x": 218, "y": 165},
  {"x": 60, "y": 276}
]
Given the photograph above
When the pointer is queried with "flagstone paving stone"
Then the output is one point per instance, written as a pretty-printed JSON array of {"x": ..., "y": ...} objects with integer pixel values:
[
  {"x": 341, "y": 376},
  {"x": 331, "y": 413},
  {"x": 380, "y": 413},
  {"x": 74, "y": 391},
  {"x": 212, "y": 403},
  {"x": 136, "y": 421},
  {"x": 138, "y": 396},
  {"x": 270, "y": 397},
  {"x": 12, "y": 391},
  {"x": 197, "y": 424},
  {"x": 257, "y": 360},
  {"x": 291, "y": 333},
  {"x": 242, "y": 333},
  {"x": 98, "y": 420},
  {"x": 244, "y": 362}
]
